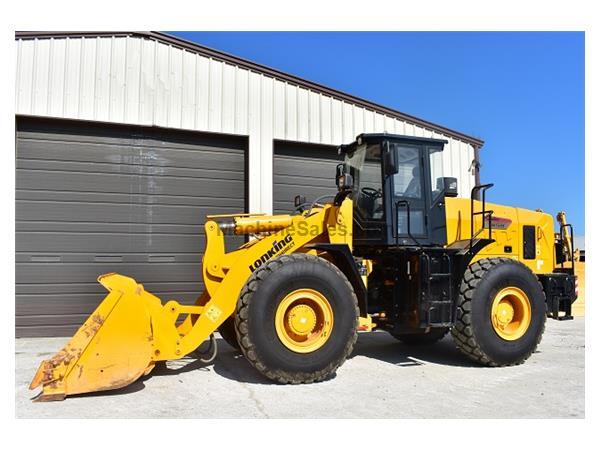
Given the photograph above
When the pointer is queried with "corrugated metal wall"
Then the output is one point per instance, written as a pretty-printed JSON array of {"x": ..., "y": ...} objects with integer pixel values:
[{"x": 142, "y": 81}]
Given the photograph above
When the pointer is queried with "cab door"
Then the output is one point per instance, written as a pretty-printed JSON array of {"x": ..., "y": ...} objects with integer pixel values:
[
  {"x": 435, "y": 187},
  {"x": 408, "y": 196}
]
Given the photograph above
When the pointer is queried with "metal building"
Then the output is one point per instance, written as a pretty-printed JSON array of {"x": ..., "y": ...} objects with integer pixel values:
[{"x": 125, "y": 141}]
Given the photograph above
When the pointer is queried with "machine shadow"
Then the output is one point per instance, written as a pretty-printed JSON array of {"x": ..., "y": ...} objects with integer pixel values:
[
  {"x": 381, "y": 346},
  {"x": 231, "y": 364}
]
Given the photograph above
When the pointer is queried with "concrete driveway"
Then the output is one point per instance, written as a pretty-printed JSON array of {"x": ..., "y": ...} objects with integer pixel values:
[{"x": 382, "y": 379}]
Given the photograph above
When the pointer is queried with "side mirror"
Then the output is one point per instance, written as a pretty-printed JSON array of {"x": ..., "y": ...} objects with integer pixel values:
[
  {"x": 390, "y": 159},
  {"x": 339, "y": 171},
  {"x": 299, "y": 200},
  {"x": 450, "y": 186},
  {"x": 345, "y": 182}
]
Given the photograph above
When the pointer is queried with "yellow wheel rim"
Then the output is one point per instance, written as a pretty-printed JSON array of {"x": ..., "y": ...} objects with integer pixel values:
[
  {"x": 304, "y": 320},
  {"x": 511, "y": 313}
]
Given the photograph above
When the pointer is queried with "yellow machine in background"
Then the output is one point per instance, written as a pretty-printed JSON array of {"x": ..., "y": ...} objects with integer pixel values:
[
  {"x": 572, "y": 258},
  {"x": 401, "y": 254}
]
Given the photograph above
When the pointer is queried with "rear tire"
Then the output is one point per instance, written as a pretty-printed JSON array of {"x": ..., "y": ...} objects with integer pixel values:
[
  {"x": 262, "y": 321},
  {"x": 475, "y": 333},
  {"x": 431, "y": 337}
]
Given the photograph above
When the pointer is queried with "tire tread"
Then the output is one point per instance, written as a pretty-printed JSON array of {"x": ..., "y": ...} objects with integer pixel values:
[
  {"x": 462, "y": 331},
  {"x": 248, "y": 347}
]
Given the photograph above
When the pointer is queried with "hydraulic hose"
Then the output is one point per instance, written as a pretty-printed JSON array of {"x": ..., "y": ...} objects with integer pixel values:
[{"x": 212, "y": 350}]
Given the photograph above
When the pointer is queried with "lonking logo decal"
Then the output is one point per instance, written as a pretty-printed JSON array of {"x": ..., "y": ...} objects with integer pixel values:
[{"x": 286, "y": 243}]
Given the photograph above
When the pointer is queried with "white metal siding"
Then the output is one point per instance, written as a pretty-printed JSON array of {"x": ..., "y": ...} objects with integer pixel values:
[{"x": 141, "y": 81}]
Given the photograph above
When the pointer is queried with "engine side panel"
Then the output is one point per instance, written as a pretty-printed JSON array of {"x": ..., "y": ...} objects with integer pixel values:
[{"x": 509, "y": 230}]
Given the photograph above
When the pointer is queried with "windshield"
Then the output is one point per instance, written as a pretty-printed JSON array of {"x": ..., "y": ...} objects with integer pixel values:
[{"x": 364, "y": 164}]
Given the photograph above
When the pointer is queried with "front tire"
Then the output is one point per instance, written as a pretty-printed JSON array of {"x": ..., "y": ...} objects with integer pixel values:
[
  {"x": 501, "y": 312},
  {"x": 297, "y": 318},
  {"x": 227, "y": 332}
]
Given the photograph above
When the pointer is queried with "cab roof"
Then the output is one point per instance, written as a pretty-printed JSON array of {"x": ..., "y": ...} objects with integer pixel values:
[{"x": 371, "y": 138}]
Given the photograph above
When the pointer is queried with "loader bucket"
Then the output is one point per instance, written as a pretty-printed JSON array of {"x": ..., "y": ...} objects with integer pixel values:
[{"x": 112, "y": 349}]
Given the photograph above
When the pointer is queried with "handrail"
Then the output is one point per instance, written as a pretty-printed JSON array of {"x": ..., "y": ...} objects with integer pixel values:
[
  {"x": 484, "y": 213},
  {"x": 397, "y": 233}
]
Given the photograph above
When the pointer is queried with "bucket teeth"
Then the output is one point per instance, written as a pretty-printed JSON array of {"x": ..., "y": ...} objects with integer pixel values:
[
  {"x": 39, "y": 377},
  {"x": 52, "y": 371},
  {"x": 49, "y": 397}
]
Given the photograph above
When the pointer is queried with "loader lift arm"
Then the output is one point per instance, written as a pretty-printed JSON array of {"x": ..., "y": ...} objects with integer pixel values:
[{"x": 131, "y": 330}]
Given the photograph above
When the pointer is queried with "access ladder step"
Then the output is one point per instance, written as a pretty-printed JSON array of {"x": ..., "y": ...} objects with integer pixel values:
[{"x": 437, "y": 276}]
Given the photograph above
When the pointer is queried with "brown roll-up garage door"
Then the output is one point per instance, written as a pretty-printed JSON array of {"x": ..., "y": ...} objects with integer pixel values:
[
  {"x": 93, "y": 198},
  {"x": 302, "y": 169}
]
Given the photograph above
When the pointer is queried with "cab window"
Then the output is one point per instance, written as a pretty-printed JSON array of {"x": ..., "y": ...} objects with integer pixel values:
[
  {"x": 364, "y": 164},
  {"x": 408, "y": 182}
]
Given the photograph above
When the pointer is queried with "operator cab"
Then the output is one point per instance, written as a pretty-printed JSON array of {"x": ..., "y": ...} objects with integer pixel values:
[{"x": 398, "y": 190}]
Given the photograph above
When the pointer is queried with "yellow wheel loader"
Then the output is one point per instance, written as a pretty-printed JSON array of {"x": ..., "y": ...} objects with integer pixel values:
[{"x": 395, "y": 250}]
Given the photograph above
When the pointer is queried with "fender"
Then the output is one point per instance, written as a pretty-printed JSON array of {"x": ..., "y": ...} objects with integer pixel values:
[{"x": 343, "y": 259}]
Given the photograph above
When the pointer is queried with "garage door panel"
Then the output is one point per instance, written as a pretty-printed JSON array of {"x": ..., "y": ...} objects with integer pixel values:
[
  {"x": 283, "y": 207},
  {"x": 302, "y": 169},
  {"x": 122, "y": 227},
  {"x": 90, "y": 247},
  {"x": 325, "y": 170},
  {"x": 46, "y": 330},
  {"x": 66, "y": 308},
  {"x": 117, "y": 133},
  {"x": 99, "y": 198},
  {"x": 99, "y": 134},
  {"x": 70, "y": 291},
  {"x": 107, "y": 257},
  {"x": 285, "y": 192},
  {"x": 126, "y": 183},
  {"x": 142, "y": 137},
  {"x": 117, "y": 212},
  {"x": 60, "y": 319},
  {"x": 57, "y": 304},
  {"x": 190, "y": 140},
  {"x": 305, "y": 185},
  {"x": 132, "y": 152},
  {"x": 108, "y": 243},
  {"x": 51, "y": 149},
  {"x": 139, "y": 199},
  {"x": 305, "y": 181},
  {"x": 81, "y": 273},
  {"x": 128, "y": 169},
  {"x": 133, "y": 159},
  {"x": 200, "y": 158}
]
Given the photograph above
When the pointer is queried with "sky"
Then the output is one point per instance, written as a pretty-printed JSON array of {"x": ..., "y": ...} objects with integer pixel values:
[{"x": 522, "y": 93}]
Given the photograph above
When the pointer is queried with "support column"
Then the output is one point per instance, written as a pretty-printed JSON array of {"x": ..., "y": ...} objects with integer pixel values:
[{"x": 260, "y": 174}]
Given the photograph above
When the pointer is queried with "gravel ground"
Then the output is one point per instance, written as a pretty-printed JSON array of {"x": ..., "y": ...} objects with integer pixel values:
[{"x": 382, "y": 379}]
